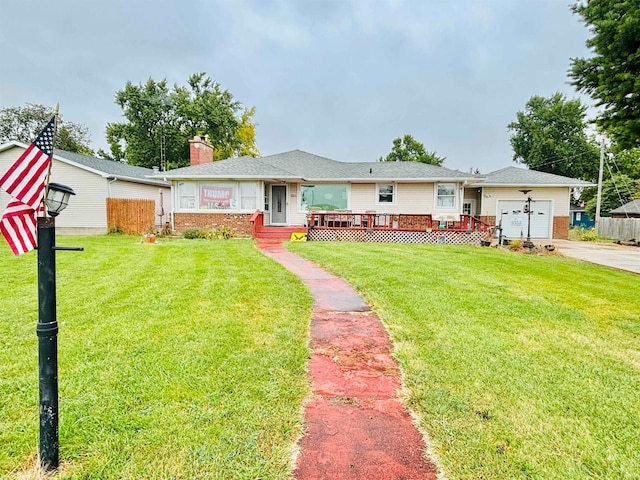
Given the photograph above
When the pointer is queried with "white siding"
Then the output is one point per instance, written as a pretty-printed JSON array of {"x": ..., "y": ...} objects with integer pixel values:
[
  {"x": 296, "y": 215},
  {"x": 409, "y": 198},
  {"x": 559, "y": 195},
  {"x": 88, "y": 207}
]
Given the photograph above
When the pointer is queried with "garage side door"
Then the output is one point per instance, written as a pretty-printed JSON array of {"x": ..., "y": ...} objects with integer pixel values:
[{"x": 514, "y": 220}]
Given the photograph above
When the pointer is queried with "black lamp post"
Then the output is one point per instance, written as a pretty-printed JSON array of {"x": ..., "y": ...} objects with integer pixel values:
[
  {"x": 47, "y": 329},
  {"x": 526, "y": 191}
]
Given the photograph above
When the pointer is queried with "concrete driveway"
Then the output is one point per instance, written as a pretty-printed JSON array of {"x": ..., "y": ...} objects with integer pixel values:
[{"x": 610, "y": 255}]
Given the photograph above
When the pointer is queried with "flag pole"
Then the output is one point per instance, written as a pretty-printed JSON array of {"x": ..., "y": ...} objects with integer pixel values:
[{"x": 46, "y": 183}]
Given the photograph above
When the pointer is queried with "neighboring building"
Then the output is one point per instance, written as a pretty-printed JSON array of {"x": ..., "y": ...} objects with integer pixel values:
[
  {"x": 285, "y": 187},
  {"x": 580, "y": 217},
  {"x": 628, "y": 210},
  {"x": 93, "y": 180}
]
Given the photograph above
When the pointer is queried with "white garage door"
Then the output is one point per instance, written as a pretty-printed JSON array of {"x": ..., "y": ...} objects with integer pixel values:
[{"x": 514, "y": 218}]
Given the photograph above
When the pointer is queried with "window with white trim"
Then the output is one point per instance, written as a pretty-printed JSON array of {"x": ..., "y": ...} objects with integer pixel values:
[
  {"x": 446, "y": 196},
  {"x": 248, "y": 195},
  {"x": 210, "y": 196},
  {"x": 385, "y": 193},
  {"x": 326, "y": 196},
  {"x": 187, "y": 195}
]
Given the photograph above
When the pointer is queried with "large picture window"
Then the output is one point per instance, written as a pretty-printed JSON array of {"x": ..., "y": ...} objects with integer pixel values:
[
  {"x": 324, "y": 197},
  {"x": 446, "y": 196},
  {"x": 205, "y": 196},
  {"x": 217, "y": 196}
]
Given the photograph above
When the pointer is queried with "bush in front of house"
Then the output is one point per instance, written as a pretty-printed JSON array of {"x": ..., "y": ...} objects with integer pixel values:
[
  {"x": 191, "y": 233},
  {"x": 223, "y": 233}
]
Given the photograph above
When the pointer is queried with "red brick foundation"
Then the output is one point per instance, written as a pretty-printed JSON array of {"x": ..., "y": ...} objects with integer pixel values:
[
  {"x": 561, "y": 228},
  {"x": 238, "y": 223}
]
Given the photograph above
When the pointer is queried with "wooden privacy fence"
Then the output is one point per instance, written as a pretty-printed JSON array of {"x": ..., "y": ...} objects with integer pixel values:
[
  {"x": 132, "y": 216},
  {"x": 619, "y": 228}
]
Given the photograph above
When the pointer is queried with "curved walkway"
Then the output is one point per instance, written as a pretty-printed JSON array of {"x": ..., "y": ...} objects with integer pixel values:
[{"x": 356, "y": 426}]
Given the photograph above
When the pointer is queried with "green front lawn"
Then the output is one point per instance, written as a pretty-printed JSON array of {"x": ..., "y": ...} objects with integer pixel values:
[
  {"x": 181, "y": 360},
  {"x": 517, "y": 366}
]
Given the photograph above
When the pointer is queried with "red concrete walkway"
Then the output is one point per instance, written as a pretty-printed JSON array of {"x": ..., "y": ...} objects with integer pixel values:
[{"x": 356, "y": 426}]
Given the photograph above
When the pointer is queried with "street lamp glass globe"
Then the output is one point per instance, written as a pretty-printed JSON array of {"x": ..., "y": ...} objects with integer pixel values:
[{"x": 58, "y": 198}]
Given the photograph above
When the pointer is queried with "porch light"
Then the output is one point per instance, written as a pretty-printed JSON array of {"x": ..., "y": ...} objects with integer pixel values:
[{"x": 58, "y": 198}]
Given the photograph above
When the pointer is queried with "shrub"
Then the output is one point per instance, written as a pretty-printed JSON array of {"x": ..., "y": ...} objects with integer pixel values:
[
  {"x": 191, "y": 233},
  {"x": 225, "y": 233},
  {"x": 515, "y": 245},
  {"x": 588, "y": 234},
  {"x": 222, "y": 233}
]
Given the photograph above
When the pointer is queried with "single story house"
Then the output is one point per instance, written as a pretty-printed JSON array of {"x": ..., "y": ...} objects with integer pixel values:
[
  {"x": 296, "y": 190},
  {"x": 93, "y": 180},
  {"x": 628, "y": 210}
]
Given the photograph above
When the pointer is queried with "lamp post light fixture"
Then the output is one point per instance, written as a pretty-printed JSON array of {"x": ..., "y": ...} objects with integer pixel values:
[
  {"x": 502, "y": 212},
  {"x": 47, "y": 328},
  {"x": 526, "y": 191}
]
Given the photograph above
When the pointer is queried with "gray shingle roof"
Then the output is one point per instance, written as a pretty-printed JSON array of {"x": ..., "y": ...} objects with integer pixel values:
[
  {"x": 524, "y": 178},
  {"x": 110, "y": 168},
  {"x": 305, "y": 166},
  {"x": 632, "y": 207}
]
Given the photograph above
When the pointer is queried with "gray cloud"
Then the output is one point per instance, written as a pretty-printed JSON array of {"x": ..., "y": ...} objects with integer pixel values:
[{"x": 336, "y": 78}]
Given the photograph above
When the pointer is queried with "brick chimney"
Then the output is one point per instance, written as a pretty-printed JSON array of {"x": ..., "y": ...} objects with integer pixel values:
[{"x": 200, "y": 150}]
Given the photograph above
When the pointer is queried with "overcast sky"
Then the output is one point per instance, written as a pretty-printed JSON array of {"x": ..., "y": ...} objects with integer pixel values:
[{"x": 339, "y": 78}]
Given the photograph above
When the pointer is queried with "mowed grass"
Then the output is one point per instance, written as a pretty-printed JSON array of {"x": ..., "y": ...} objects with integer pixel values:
[
  {"x": 182, "y": 360},
  {"x": 517, "y": 366}
]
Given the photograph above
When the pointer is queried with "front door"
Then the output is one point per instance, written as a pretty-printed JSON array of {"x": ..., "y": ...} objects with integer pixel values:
[
  {"x": 278, "y": 204},
  {"x": 469, "y": 207}
]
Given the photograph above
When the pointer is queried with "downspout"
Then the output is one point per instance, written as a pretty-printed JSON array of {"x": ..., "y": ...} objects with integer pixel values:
[
  {"x": 173, "y": 189},
  {"x": 109, "y": 182}
]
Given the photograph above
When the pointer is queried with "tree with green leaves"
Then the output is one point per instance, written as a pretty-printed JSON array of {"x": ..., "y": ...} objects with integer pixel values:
[
  {"x": 617, "y": 190},
  {"x": 25, "y": 123},
  {"x": 550, "y": 136},
  {"x": 611, "y": 75},
  {"x": 408, "y": 149},
  {"x": 627, "y": 162},
  {"x": 158, "y": 118}
]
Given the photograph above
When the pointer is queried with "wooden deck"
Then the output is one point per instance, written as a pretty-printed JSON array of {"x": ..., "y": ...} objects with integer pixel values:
[
  {"x": 377, "y": 227},
  {"x": 393, "y": 221}
]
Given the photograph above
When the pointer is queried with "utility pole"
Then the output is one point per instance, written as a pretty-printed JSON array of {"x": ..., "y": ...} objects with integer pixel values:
[{"x": 599, "y": 198}]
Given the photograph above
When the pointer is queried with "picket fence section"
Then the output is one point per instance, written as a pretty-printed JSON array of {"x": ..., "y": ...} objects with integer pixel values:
[
  {"x": 619, "y": 228},
  {"x": 131, "y": 216}
]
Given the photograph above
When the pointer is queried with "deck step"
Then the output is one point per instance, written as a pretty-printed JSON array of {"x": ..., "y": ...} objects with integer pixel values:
[{"x": 278, "y": 233}]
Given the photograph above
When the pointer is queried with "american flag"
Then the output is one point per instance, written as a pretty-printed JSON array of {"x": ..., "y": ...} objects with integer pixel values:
[{"x": 25, "y": 181}]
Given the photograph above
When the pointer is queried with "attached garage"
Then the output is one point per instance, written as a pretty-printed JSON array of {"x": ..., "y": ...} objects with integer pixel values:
[
  {"x": 515, "y": 218},
  {"x": 502, "y": 194}
]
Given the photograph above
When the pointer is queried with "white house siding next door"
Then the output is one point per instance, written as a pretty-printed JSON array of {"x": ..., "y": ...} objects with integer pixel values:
[
  {"x": 514, "y": 219},
  {"x": 278, "y": 205}
]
